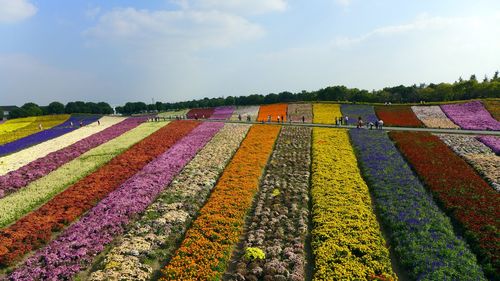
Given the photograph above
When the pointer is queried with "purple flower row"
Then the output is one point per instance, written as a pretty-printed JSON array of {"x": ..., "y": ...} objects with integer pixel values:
[
  {"x": 353, "y": 111},
  {"x": 471, "y": 116},
  {"x": 420, "y": 234},
  {"x": 34, "y": 170},
  {"x": 48, "y": 134},
  {"x": 222, "y": 113},
  {"x": 492, "y": 142},
  {"x": 81, "y": 242}
]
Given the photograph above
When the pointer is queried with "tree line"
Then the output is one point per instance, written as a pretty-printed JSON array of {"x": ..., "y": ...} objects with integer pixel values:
[
  {"x": 33, "y": 109},
  {"x": 442, "y": 92}
]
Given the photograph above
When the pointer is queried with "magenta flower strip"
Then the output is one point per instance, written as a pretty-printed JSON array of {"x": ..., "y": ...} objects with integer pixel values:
[
  {"x": 222, "y": 113},
  {"x": 471, "y": 116},
  {"x": 21, "y": 177},
  {"x": 81, "y": 242}
]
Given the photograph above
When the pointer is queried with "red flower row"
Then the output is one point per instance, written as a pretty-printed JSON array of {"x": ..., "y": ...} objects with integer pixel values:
[
  {"x": 35, "y": 229},
  {"x": 468, "y": 199},
  {"x": 200, "y": 113},
  {"x": 398, "y": 115}
]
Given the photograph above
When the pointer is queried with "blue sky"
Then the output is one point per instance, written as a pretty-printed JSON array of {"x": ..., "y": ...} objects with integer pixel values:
[{"x": 119, "y": 51}]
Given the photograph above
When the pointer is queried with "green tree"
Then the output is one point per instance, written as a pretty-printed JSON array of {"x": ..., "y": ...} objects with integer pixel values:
[
  {"x": 55, "y": 108},
  {"x": 32, "y": 109}
]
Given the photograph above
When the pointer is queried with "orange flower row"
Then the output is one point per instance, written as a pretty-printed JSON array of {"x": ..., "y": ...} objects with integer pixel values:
[
  {"x": 273, "y": 110},
  {"x": 207, "y": 247}
]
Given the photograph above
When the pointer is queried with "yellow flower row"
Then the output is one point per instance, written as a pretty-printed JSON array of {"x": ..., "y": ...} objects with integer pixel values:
[
  {"x": 15, "y": 124},
  {"x": 325, "y": 113},
  {"x": 47, "y": 122},
  {"x": 346, "y": 239}
]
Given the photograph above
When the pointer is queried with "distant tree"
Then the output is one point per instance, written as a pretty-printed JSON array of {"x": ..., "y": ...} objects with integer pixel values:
[
  {"x": 495, "y": 76},
  {"x": 32, "y": 109},
  {"x": 55, "y": 108},
  {"x": 1, "y": 114},
  {"x": 473, "y": 78},
  {"x": 17, "y": 113},
  {"x": 159, "y": 106},
  {"x": 104, "y": 108},
  {"x": 230, "y": 100}
]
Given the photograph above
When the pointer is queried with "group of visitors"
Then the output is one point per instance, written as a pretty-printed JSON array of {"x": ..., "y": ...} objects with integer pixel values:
[
  {"x": 280, "y": 119},
  {"x": 342, "y": 120},
  {"x": 378, "y": 124},
  {"x": 248, "y": 118}
]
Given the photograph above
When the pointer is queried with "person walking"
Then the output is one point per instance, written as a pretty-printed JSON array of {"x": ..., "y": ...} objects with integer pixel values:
[
  {"x": 40, "y": 127},
  {"x": 380, "y": 124},
  {"x": 303, "y": 119},
  {"x": 346, "y": 120},
  {"x": 71, "y": 124},
  {"x": 81, "y": 123},
  {"x": 239, "y": 117},
  {"x": 98, "y": 122},
  {"x": 278, "y": 118},
  {"x": 376, "y": 124}
]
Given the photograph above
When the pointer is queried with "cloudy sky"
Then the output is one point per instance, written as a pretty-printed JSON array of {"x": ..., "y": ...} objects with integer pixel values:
[{"x": 173, "y": 50}]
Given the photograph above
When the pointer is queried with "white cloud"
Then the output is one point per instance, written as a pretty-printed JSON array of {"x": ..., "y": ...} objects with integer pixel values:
[
  {"x": 187, "y": 30},
  {"x": 343, "y": 3},
  {"x": 12, "y": 11},
  {"x": 242, "y": 6}
]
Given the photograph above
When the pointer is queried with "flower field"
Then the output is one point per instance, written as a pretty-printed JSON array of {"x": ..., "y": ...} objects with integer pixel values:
[
  {"x": 353, "y": 111},
  {"x": 173, "y": 114},
  {"x": 27, "y": 126},
  {"x": 477, "y": 155},
  {"x": 9, "y": 126},
  {"x": 207, "y": 247},
  {"x": 244, "y": 111},
  {"x": 129, "y": 199},
  {"x": 397, "y": 115},
  {"x": 433, "y": 117},
  {"x": 298, "y": 110},
  {"x": 492, "y": 142},
  {"x": 493, "y": 107},
  {"x": 200, "y": 113},
  {"x": 325, "y": 113},
  {"x": 273, "y": 110},
  {"x": 45, "y": 135},
  {"x": 347, "y": 242},
  {"x": 469, "y": 200},
  {"x": 279, "y": 224},
  {"x": 222, "y": 113},
  {"x": 432, "y": 251},
  {"x": 471, "y": 115}
]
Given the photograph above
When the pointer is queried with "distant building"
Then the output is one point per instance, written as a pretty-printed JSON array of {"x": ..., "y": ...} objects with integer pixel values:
[{"x": 7, "y": 109}]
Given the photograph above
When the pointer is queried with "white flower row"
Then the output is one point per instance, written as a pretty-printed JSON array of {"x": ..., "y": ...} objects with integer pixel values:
[
  {"x": 477, "y": 155},
  {"x": 244, "y": 111},
  {"x": 433, "y": 117},
  {"x": 17, "y": 160},
  {"x": 153, "y": 236}
]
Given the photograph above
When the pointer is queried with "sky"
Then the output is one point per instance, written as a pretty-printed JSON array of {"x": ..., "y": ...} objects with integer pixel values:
[{"x": 174, "y": 50}]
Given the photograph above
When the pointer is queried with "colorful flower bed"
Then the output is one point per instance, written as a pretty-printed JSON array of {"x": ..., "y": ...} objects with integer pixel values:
[
  {"x": 493, "y": 107},
  {"x": 200, "y": 113},
  {"x": 75, "y": 248},
  {"x": 173, "y": 114},
  {"x": 40, "y": 191},
  {"x": 397, "y": 115},
  {"x": 35, "y": 229},
  {"x": 46, "y": 135},
  {"x": 279, "y": 224},
  {"x": 222, "y": 113},
  {"x": 477, "y": 155},
  {"x": 154, "y": 236},
  {"x": 325, "y": 113},
  {"x": 420, "y": 234},
  {"x": 273, "y": 110},
  {"x": 47, "y": 122},
  {"x": 44, "y": 165},
  {"x": 244, "y": 111},
  {"x": 459, "y": 190},
  {"x": 353, "y": 111},
  {"x": 298, "y": 110},
  {"x": 492, "y": 142},
  {"x": 347, "y": 242},
  {"x": 18, "y": 159},
  {"x": 433, "y": 117},
  {"x": 207, "y": 247},
  {"x": 9, "y": 126},
  {"x": 471, "y": 116}
]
